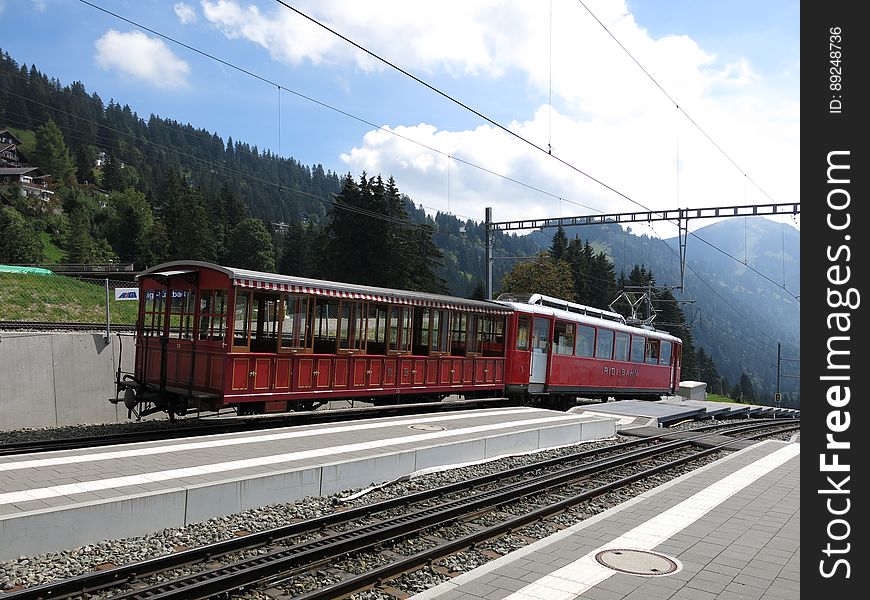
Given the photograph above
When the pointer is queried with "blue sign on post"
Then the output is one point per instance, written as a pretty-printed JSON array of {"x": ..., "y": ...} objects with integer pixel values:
[{"x": 126, "y": 293}]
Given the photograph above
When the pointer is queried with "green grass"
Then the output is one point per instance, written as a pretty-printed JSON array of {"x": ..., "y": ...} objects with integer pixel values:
[
  {"x": 56, "y": 298},
  {"x": 53, "y": 254},
  {"x": 718, "y": 398},
  {"x": 27, "y": 137}
]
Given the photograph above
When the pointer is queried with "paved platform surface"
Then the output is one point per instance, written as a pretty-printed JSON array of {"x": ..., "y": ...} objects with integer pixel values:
[
  {"x": 673, "y": 409},
  {"x": 732, "y": 528},
  {"x": 646, "y": 412},
  {"x": 63, "y": 499}
]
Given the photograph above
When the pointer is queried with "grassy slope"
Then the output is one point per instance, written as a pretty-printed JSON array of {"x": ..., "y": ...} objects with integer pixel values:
[
  {"x": 53, "y": 254},
  {"x": 61, "y": 299}
]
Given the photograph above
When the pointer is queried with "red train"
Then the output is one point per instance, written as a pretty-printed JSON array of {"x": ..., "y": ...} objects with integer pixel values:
[{"x": 209, "y": 337}]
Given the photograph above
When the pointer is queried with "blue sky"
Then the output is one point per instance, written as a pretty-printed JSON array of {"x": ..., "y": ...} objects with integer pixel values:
[{"x": 545, "y": 69}]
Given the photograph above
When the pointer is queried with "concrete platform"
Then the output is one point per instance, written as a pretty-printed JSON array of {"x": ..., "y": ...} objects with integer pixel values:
[
  {"x": 64, "y": 499},
  {"x": 711, "y": 409},
  {"x": 664, "y": 413},
  {"x": 730, "y": 530}
]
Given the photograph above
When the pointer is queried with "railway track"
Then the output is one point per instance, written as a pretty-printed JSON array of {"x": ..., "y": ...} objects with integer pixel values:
[
  {"x": 276, "y": 557},
  {"x": 54, "y": 326}
]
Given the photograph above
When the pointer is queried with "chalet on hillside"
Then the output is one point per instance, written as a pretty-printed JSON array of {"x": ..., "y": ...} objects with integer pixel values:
[
  {"x": 33, "y": 182},
  {"x": 10, "y": 154}
]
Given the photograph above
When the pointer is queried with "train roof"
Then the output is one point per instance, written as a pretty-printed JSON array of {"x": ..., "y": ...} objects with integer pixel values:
[
  {"x": 286, "y": 283},
  {"x": 587, "y": 319}
]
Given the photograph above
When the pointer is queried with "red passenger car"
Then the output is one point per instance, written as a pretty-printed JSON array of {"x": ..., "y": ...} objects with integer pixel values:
[
  {"x": 210, "y": 336},
  {"x": 558, "y": 350}
]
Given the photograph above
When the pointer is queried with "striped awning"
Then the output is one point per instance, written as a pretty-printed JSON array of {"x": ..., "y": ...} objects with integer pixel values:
[{"x": 411, "y": 299}]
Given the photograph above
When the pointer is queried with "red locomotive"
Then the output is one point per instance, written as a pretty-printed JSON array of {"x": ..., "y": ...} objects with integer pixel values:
[{"x": 209, "y": 337}]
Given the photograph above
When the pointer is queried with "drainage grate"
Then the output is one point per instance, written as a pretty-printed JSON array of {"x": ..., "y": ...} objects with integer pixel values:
[{"x": 637, "y": 562}]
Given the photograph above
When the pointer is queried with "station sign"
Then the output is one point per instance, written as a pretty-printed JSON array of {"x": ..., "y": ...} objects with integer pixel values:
[{"x": 126, "y": 293}]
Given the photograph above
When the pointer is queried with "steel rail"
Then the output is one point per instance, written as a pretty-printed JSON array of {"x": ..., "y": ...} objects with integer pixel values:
[
  {"x": 426, "y": 557},
  {"x": 58, "y": 326}
]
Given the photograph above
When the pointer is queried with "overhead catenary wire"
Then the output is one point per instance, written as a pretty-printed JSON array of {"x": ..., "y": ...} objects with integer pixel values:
[
  {"x": 674, "y": 102},
  {"x": 507, "y": 130},
  {"x": 325, "y": 105},
  {"x": 311, "y": 99},
  {"x": 460, "y": 103}
]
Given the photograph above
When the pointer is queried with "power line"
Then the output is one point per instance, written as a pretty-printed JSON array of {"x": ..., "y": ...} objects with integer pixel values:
[
  {"x": 328, "y": 106},
  {"x": 674, "y": 102},
  {"x": 502, "y": 127},
  {"x": 463, "y": 105}
]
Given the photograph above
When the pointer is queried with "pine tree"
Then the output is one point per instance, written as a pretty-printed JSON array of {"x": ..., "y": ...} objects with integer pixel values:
[
  {"x": 296, "y": 256},
  {"x": 129, "y": 228},
  {"x": 424, "y": 258},
  {"x": 746, "y": 387},
  {"x": 249, "y": 246},
  {"x": 86, "y": 156},
  {"x": 370, "y": 240},
  {"x": 602, "y": 280},
  {"x": 559, "y": 247},
  {"x": 111, "y": 179},
  {"x": 51, "y": 154}
]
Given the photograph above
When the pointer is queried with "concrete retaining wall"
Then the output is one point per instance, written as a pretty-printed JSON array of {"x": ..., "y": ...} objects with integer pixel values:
[
  {"x": 55, "y": 379},
  {"x": 50, "y": 529}
]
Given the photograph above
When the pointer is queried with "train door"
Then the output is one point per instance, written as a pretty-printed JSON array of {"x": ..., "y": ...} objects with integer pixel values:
[{"x": 540, "y": 352}]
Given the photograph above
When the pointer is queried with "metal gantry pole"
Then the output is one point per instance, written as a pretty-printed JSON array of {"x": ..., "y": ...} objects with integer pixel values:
[
  {"x": 778, "y": 371},
  {"x": 488, "y": 257},
  {"x": 108, "y": 332}
]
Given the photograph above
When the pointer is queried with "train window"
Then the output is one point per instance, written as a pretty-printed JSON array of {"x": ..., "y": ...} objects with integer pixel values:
[
  {"x": 621, "y": 347},
  {"x": 585, "y": 341},
  {"x": 400, "y": 330},
  {"x": 472, "y": 343},
  {"x": 638, "y": 343},
  {"x": 241, "y": 319},
  {"x": 351, "y": 330},
  {"x": 604, "y": 344},
  {"x": 153, "y": 312},
  {"x": 294, "y": 325},
  {"x": 325, "y": 325},
  {"x": 213, "y": 315},
  {"x": 439, "y": 332},
  {"x": 458, "y": 331},
  {"x": 563, "y": 338},
  {"x": 665, "y": 358},
  {"x": 264, "y": 323},
  {"x": 377, "y": 329},
  {"x": 490, "y": 335},
  {"x": 523, "y": 333},
  {"x": 182, "y": 309},
  {"x": 421, "y": 331},
  {"x": 652, "y": 352},
  {"x": 541, "y": 335}
]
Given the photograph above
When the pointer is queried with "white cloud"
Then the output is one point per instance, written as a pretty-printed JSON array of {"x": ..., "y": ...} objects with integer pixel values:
[
  {"x": 185, "y": 13},
  {"x": 609, "y": 119},
  {"x": 39, "y": 5},
  {"x": 141, "y": 57}
]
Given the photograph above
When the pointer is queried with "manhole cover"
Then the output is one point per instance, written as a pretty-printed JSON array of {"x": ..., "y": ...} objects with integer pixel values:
[
  {"x": 425, "y": 427},
  {"x": 637, "y": 562}
]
